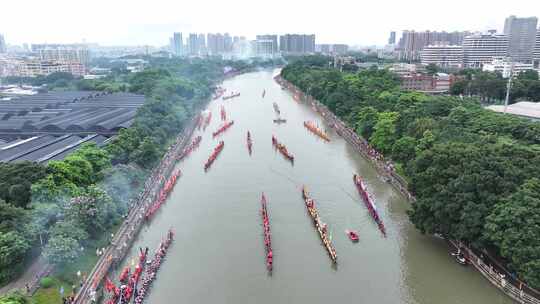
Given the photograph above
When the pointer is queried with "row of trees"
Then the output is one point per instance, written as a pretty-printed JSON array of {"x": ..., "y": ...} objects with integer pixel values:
[
  {"x": 68, "y": 204},
  {"x": 491, "y": 86},
  {"x": 474, "y": 172}
]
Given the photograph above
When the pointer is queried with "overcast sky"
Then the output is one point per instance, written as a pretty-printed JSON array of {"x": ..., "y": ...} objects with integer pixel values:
[{"x": 138, "y": 22}]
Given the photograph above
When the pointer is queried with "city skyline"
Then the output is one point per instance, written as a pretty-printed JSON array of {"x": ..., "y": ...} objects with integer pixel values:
[{"x": 152, "y": 25}]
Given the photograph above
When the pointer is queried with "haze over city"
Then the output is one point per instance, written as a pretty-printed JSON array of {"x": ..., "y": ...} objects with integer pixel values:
[{"x": 141, "y": 22}]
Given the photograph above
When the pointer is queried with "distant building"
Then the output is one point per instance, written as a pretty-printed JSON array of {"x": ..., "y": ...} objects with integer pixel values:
[
  {"x": 35, "y": 67},
  {"x": 331, "y": 49},
  {"x": 412, "y": 43},
  {"x": 3, "y": 47},
  {"x": 177, "y": 44},
  {"x": 202, "y": 44},
  {"x": 193, "y": 44},
  {"x": 297, "y": 44},
  {"x": 443, "y": 55},
  {"x": 521, "y": 34},
  {"x": 392, "y": 39},
  {"x": 264, "y": 47},
  {"x": 479, "y": 49},
  {"x": 536, "y": 53},
  {"x": 227, "y": 43},
  {"x": 69, "y": 53},
  {"x": 505, "y": 67},
  {"x": 273, "y": 38},
  {"x": 433, "y": 84},
  {"x": 406, "y": 68}
]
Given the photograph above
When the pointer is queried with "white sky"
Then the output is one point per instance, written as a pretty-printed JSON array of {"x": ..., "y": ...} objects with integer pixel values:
[{"x": 137, "y": 22}]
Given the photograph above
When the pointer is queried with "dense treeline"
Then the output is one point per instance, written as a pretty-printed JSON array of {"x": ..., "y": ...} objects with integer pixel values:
[
  {"x": 474, "y": 171},
  {"x": 69, "y": 204},
  {"x": 491, "y": 86}
]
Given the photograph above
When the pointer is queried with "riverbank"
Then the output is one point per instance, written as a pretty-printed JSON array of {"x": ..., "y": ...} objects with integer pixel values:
[
  {"x": 512, "y": 288},
  {"x": 361, "y": 145},
  {"x": 122, "y": 240}
]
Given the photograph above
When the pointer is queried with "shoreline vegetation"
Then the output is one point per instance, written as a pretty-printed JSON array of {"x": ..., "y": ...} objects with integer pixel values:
[
  {"x": 70, "y": 209},
  {"x": 474, "y": 172}
]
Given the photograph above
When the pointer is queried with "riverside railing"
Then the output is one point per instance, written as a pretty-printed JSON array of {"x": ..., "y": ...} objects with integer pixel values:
[{"x": 122, "y": 241}]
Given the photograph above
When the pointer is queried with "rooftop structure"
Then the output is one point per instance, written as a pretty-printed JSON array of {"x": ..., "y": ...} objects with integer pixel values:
[
  {"x": 523, "y": 108},
  {"x": 61, "y": 113}
]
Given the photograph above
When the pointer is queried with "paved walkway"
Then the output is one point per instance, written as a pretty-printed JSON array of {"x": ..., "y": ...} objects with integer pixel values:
[{"x": 31, "y": 276}]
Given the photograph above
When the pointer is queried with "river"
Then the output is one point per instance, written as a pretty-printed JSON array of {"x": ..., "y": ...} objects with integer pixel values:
[{"x": 218, "y": 254}]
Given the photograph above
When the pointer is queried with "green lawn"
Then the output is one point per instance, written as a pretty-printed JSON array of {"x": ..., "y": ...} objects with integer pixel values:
[{"x": 51, "y": 295}]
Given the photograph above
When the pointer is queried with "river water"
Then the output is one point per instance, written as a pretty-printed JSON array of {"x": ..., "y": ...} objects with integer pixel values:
[{"x": 218, "y": 253}]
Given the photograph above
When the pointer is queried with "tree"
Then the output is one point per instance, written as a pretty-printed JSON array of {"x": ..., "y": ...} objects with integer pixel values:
[
  {"x": 13, "y": 248},
  {"x": 385, "y": 131},
  {"x": 403, "y": 149},
  {"x": 365, "y": 121},
  {"x": 147, "y": 154},
  {"x": 528, "y": 75},
  {"x": 61, "y": 249},
  {"x": 514, "y": 226},
  {"x": 14, "y": 298},
  {"x": 432, "y": 69},
  {"x": 92, "y": 210}
]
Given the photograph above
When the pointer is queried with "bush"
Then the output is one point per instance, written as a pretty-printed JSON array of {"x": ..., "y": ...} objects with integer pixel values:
[
  {"x": 13, "y": 298},
  {"x": 46, "y": 282}
]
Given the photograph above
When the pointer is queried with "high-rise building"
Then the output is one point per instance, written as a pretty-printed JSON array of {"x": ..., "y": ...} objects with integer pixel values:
[
  {"x": 3, "y": 47},
  {"x": 536, "y": 53},
  {"x": 273, "y": 38},
  {"x": 443, "y": 55},
  {"x": 218, "y": 44},
  {"x": 193, "y": 44},
  {"x": 202, "y": 44},
  {"x": 177, "y": 44},
  {"x": 479, "y": 49},
  {"x": 264, "y": 47},
  {"x": 392, "y": 39},
  {"x": 227, "y": 43},
  {"x": 412, "y": 43},
  {"x": 211, "y": 43},
  {"x": 521, "y": 34},
  {"x": 297, "y": 44}
]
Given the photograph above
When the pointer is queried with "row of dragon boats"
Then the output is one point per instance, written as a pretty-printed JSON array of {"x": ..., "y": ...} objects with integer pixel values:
[
  {"x": 320, "y": 226},
  {"x": 135, "y": 285}
]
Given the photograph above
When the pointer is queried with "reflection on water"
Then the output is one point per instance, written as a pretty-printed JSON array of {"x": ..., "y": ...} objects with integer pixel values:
[{"x": 218, "y": 255}]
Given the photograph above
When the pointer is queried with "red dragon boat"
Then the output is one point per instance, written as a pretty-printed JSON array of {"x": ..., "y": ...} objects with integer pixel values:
[
  {"x": 368, "y": 202},
  {"x": 315, "y": 130},
  {"x": 267, "y": 234},
  {"x": 163, "y": 194},
  {"x": 153, "y": 267},
  {"x": 281, "y": 147},
  {"x": 214, "y": 155},
  {"x": 192, "y": 146},
  {"x": 223, "y": 128},
  {"x": 124, "y": 293},
  {"x": 223, "y": 114},
  {"x": 321, "y": 227}
]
